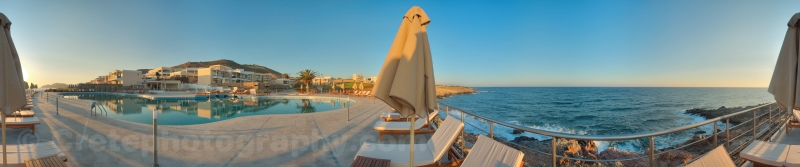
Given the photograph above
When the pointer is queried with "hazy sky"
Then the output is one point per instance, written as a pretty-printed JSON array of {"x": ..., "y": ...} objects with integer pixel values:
[{"x": 521, "y": 43}]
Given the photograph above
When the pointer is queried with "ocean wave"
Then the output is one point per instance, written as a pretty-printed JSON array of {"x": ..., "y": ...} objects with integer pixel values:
[
  {"x": 474, "y": 125},
  {"x": 562, "y": 103}
]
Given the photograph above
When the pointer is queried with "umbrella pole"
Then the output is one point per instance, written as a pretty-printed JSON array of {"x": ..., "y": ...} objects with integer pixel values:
[
  {"x": 5, "y": 161},
  {"x": 411, "y": 159}
]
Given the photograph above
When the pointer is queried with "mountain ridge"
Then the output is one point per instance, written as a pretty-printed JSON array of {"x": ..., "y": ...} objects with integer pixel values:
[{"x": 230, "y": 63}]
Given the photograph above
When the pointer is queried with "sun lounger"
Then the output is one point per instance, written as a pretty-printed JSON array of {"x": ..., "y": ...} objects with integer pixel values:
[
  {"x": 22, "y": 122},
  {"x": 715, "y": 158},
  {"x": 771, "y": 154},
  {"x": 18, "y": 153},
  {"x": 391, "y": 116},
  {"x": 424, "y": 154},
  {"x": 22, "y": 113},
  {"x": 794, "y": 121},
  {"x": 384, "y": 127},
  {"x": 27, "y": 107},
  {"x": 487, "y": 152}
]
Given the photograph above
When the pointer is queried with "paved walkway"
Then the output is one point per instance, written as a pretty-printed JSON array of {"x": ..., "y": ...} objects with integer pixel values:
[{"x": 316, "y": 139}]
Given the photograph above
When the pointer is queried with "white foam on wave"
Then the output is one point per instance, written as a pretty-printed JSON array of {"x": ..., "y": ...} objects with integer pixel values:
[{"x": 474, "y": 125}]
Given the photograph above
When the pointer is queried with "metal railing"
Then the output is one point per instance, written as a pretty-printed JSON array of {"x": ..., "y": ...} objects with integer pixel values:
[{"x": 763, "y": 125}]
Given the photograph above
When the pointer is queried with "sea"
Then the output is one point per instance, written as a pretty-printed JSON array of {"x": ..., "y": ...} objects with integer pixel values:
[{"x": 601, "y": 110}]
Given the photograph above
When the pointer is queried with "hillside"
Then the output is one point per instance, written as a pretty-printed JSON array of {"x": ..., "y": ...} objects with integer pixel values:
[
  {"x": 444, "y": 90},
  {"x": 55, "y": 85},
  {"x": 230, "y": 63}
]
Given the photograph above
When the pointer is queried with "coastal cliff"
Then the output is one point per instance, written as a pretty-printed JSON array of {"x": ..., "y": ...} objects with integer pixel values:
[{"x": 447, "y": 90}]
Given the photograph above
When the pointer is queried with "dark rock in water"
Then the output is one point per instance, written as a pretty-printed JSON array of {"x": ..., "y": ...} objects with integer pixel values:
[
  {"x": 524, "y": 138},
  {"x": 722, "y": 111},
  {"x": 699, "y": 132},
  {"x": 517, "y": 131}
]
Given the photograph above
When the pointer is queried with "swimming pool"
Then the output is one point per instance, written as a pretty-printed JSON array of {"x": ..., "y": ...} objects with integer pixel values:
[{"x": 189, "y": 112}]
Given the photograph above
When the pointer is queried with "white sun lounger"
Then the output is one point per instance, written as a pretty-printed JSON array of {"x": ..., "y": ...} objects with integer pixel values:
[
  {"x": 23, "y": 113},
  {"x": 18, "y": 153},
  {"x": 487, "y": 153},
  {"x": 22, "y": 122},
  {"x": 384, "y": 127},
  {"x": 424, "y": 154},
  {"x": 392, "y": 116},
  {"x": 715, "y": 158},
  {"x": 766, "y": 153}
]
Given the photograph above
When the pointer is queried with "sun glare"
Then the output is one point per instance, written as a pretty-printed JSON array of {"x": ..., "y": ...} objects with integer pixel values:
[{"x": 25, "y": 73}]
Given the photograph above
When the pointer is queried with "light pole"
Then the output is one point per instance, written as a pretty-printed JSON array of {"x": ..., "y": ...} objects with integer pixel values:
[{"x": 155, "y": 136}]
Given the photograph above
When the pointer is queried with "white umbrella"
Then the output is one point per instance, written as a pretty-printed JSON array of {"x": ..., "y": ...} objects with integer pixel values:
[
  {"x": 406, "y": 81},
  {"x": 12, "y": 94},
  {"x": 361, "y": 86},
  {"x": 784, "y": 79}
]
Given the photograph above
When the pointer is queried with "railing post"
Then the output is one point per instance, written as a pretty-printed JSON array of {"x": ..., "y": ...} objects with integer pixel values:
[
  {"x": 652, "y": 151},
  {"x": 491, "y": 130},
  {"x": 554, "y": 151},
  {"x": 715, "y": 133},
  {"x": 463, "y": 141},
  {"x": 770, "y": 114},
  {"x": 56, "y": 105},
  {"x": 755, "y": 119},
  {"x": 727, "y": 132}
]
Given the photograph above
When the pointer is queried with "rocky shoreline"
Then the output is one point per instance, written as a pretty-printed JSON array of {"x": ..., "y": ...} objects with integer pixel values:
[
  {"x": 588, "y": 150},
  {"x": 445, "y": 90}
]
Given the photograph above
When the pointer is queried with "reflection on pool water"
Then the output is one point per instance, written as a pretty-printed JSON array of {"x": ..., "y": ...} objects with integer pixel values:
[{"x": 188, "y": 112}]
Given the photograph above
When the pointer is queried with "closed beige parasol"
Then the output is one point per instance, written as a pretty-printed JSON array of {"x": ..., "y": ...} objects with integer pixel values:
[
  {"x": 406, "y": 81},
  {"x": 784, "y": 79},
  {"x": 12, "y": 94}
]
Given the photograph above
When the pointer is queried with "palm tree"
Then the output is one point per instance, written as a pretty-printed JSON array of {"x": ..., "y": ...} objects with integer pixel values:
[
  {"x": 306, "y": 76},
  {"x": 158, "y": 76},
  {"x": 306, "y": 107}
]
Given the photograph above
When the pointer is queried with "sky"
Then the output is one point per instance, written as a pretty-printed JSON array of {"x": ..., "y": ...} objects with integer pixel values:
[{"x": 477, "y": 43}]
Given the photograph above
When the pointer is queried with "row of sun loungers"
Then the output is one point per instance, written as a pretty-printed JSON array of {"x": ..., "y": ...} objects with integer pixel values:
[
  {"x": 361, "y": 93},
  {"x": 20, "y": 155},
  {"x": 486, "y": 152}
]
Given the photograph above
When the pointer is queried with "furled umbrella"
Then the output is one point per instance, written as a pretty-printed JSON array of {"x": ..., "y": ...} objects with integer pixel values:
[
  {"x": 12, "y": 94},
  {"x": 361, "y": 86},
  {"x": 406, "y": 81},
  {"x": 785, "y": 77}
]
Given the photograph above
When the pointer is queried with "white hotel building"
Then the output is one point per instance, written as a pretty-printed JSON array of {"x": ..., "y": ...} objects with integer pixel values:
[
  {"x": 214, "y": 75},
  {"x": 219, "y": 74}
]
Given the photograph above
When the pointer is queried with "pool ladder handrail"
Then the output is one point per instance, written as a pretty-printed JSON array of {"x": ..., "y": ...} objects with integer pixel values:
[{"x": 94, "y": 110}]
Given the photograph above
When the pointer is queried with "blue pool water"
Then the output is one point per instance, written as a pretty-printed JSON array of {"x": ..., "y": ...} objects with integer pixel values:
[{"x": 188, "y": 112}]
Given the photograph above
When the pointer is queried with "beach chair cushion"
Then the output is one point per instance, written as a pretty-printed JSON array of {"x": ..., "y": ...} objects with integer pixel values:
[
  {"x": 796, "y": 115},
  {"x": 392, "y": 115},
  {"x": 488, "y": 152},
  {"x": 444, "y": 137},
  {"x": 18, "y": 153},
  {"x": 23, "y": 113},
  {"x": 22, "y": 120},
  {"x": 424, "y": 154},
  {"x": 766, "y": 153},
  {"x": 793, "y": 156},
  {"x": 715, "y": 158},
  {"x": 397, "y": 154},
  {"x": 418, "y": 124}
]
